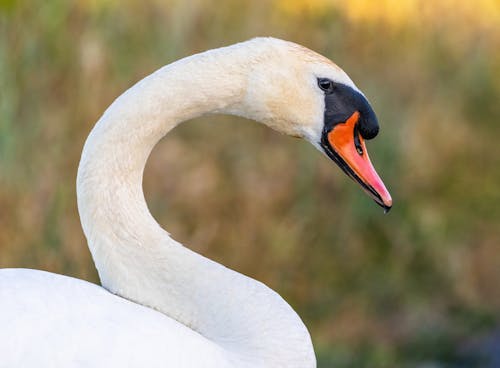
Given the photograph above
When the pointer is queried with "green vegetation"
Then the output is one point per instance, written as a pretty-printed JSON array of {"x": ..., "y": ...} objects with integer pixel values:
[{"x": 407, "y": 289}]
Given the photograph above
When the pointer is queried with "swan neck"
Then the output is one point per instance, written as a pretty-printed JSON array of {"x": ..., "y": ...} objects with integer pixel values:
[
  {"x": 136, "y": 258},
  {"x": 109, "y": 182}
]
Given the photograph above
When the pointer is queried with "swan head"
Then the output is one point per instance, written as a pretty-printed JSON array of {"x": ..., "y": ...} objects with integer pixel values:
[{"x": 301, "y": 93}]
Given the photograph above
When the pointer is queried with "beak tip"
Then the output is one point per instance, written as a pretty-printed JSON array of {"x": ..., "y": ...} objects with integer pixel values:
[
  {"x": 385, "y": 202},
  {"x": 387, "y": 205}
]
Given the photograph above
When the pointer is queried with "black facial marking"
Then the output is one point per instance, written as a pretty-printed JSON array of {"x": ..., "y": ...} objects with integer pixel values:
[{"x": 341, "y": 102}]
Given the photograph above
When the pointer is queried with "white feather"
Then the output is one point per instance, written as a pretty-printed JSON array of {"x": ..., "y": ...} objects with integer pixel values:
[{"x": 177, "y": 308}]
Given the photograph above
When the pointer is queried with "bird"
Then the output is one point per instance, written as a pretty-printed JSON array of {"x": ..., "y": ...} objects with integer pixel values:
[{"x": 160, "y": 303}]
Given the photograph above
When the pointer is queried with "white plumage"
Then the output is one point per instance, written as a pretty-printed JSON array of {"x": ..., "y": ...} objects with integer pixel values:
[
  {"x": 51, "y": 320},
  {"x": 176, "y": 308}
]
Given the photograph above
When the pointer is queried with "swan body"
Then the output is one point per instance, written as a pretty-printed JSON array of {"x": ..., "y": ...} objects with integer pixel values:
[
  {"x": 162, "y": 305},
  {"x": 43, "y": 327}
]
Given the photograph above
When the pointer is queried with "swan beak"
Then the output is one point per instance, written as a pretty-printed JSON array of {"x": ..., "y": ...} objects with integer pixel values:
[{"x": 345, "y": 145}]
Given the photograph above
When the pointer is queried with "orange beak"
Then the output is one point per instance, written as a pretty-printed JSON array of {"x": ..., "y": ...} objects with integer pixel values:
[{"x": 347, "y": 148}]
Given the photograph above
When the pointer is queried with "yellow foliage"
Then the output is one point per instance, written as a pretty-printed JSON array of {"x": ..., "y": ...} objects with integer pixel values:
[{"x": 479, "y": 13}]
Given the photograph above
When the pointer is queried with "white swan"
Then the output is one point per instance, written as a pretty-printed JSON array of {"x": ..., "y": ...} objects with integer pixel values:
[{"x": 173, "y": 307}]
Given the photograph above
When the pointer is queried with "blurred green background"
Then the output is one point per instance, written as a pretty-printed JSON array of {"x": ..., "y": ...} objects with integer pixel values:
[{"x": 418, "y": 287}]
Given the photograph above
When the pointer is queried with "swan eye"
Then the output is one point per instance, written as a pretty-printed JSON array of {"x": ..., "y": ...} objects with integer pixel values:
[{"x": 325, "y": 84}]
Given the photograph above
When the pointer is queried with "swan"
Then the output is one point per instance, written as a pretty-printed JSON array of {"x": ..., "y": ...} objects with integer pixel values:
[{"x": 161, "y": 304}]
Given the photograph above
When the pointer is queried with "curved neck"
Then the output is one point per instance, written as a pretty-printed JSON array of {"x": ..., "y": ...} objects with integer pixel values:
[{"x": 136, "y": 258}]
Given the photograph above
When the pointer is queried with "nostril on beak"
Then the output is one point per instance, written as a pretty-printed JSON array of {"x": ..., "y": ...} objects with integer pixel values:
[{"x": 357, "y": 141}]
